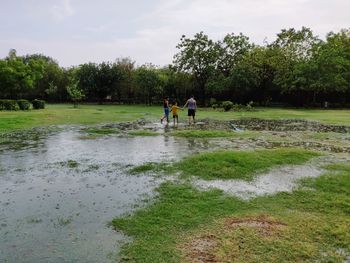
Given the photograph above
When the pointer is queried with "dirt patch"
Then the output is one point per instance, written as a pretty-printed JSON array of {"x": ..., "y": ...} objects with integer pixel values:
[
  {"x": 265, "y": 225},
  {"x": 204, "y": 249},
  {"x": 200, "y": 250}
]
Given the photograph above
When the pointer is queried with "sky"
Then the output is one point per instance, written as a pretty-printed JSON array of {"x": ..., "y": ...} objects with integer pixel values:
[{"x": 80, "y": 31}]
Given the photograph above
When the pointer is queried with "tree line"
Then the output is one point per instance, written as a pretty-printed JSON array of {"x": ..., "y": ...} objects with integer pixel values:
[{"x": 297, "y": 69}]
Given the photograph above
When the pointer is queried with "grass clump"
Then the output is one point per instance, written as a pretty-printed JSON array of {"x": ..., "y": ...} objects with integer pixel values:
[
  {"x": 94, "y": 133},
  {"x": 102, "y": 131},
  {"x": 143, "y": 133},
  {"x": 240, "y": 164},
  {"x": 147, "y": 167},
  {"x": 70, "y": 164},
  {"x": 307, "y": 225}
]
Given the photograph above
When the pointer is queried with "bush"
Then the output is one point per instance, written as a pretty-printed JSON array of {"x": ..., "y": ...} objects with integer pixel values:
[
  {"x": 23, "y": 104},
  {"x": 214, "y": 106},
  {"x": 8, "y": 105},
  {"x": 212, "y": 101},
  {"x": 227, "y": 105},
  {"x": 38, "y": 104}
]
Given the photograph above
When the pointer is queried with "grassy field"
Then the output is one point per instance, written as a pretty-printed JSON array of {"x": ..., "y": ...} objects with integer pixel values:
[
  {"x": 56, "y": 114},
  {"x": 187, "y": 225},
  {"x": 239, "y": 164}
]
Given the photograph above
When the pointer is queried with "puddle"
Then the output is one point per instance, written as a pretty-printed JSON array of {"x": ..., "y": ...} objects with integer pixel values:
[
  {"x": 282, "y": 179},
  {"x": 58, "y": 193}
]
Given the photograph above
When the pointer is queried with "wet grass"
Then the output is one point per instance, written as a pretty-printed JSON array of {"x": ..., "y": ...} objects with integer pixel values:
[
  {"x": 57, "y": 114},
  {"x": 143, "y": 133},
  {"x": 239, "y": 164},
  {"x": 70, "y": 164},
  {"x": 95, "y": 133},
  {"x": 147, "y": 167},
  {"x": 212, "y": 134},
  {"x": 102, "y": 131},
  {"x": 308, "y": 225}
]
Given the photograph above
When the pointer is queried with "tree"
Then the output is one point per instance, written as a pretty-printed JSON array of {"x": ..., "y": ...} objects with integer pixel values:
[
  {"x": 16, "y": 77},
  {"x": 332, "y": 63},
  {"x": 291, "y": 48},
  {"x": 198, "y": 56},
  {"x": 75, "y": 93},
  {"x": 148, "y": 82},
  {"x": 231, "y": 51},
  {"x": 127, "y": 85}
]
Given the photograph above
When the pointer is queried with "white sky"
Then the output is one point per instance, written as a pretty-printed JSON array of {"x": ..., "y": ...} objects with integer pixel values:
[{"x": 79, "y": 31}]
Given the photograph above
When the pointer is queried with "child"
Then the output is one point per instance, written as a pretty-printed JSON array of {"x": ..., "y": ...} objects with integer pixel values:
[
  {"x": 166, "y": 110},
  {"x": 174, "y": 109}
]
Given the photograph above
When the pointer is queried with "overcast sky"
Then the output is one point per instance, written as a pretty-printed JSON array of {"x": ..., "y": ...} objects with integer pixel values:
[{"x": 79, "y": 31}]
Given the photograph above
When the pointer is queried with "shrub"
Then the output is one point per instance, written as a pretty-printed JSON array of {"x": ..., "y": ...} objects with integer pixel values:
[
  {"x": 8, "y": 105},
  {"x": 212, "y": 101},
  {"x": 214, "y": 106},
  {"x": 23, "y": 104},
  {"x": 227, "y": 105},
  {"x": 38, "y": 104}
]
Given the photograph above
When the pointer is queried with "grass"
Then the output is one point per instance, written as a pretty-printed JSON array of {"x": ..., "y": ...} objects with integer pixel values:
[
  {"x": 239, "y": 164},
  {"x": 211, "y": 134},
  {"x": 58, "y": 114},
  {"x": 143, "y": 133},
  {"x": 70, "y": 164},
  {"x": 102, "y": 131},
  {"x": 94, "y": 133},
  {"x": 308, "y": 225},
  {"x": 146, "y": 168}
]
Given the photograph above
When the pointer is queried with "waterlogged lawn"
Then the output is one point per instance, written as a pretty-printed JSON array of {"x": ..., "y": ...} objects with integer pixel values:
[
  {"x": 56, "y": 114},
  {"x": 232, "y": 164},
  {"x": 184, "y": 224},
  {"x": 239, "y": 164}
]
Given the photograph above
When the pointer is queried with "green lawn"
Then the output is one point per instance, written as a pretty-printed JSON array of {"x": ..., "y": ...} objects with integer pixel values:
[
  {"x": 308, "y": 225},
  {"x": 56, "y": 114}
]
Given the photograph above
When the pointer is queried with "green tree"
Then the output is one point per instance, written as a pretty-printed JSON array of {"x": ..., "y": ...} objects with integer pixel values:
[
  {"x": 74, "y": 92},
  {"x": 16, "y": 77},
  {"x": 231, "y": 51},
  {"x": 198, "y": 56},
  {"x": 148, "y": 82}
]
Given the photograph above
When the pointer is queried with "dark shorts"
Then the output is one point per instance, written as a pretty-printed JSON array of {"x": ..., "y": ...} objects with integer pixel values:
[
  {"x": 166, "y": 111},
  {"x": 175, "y": 116},
  {"x": 191, "y": 112}
]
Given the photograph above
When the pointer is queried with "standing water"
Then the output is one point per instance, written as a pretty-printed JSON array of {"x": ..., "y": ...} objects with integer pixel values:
[{"x": 59, "y": 192}]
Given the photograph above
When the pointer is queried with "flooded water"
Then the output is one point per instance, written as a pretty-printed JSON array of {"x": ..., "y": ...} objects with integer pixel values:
[{"x": 59, "y": 192}]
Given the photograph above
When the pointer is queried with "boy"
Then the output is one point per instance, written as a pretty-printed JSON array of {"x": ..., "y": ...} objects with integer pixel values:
[{"x": 174, "y": 109}]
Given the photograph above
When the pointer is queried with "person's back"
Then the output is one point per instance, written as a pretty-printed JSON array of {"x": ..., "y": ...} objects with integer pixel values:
[{"x": 192, "y": 104}]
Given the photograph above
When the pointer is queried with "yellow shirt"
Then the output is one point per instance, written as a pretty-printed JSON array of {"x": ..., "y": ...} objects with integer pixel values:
[{"x": 174, "y": 109}]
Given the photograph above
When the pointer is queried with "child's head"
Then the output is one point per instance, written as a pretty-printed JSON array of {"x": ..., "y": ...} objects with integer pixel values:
[{"x": 175, "y": 103}]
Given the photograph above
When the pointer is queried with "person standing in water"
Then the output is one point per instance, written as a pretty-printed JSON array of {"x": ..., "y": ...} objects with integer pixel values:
[
  {"x": 166, "y": 110},
  {"x": 174, "y": 110},
  {"x": 192, "y": 107}
]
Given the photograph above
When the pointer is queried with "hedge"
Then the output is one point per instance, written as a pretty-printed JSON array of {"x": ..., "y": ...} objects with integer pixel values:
[
  {"x": 38, "y": 104},
  {"x": 8, "y": 105},
  {"x": 23, "y": 104}
]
